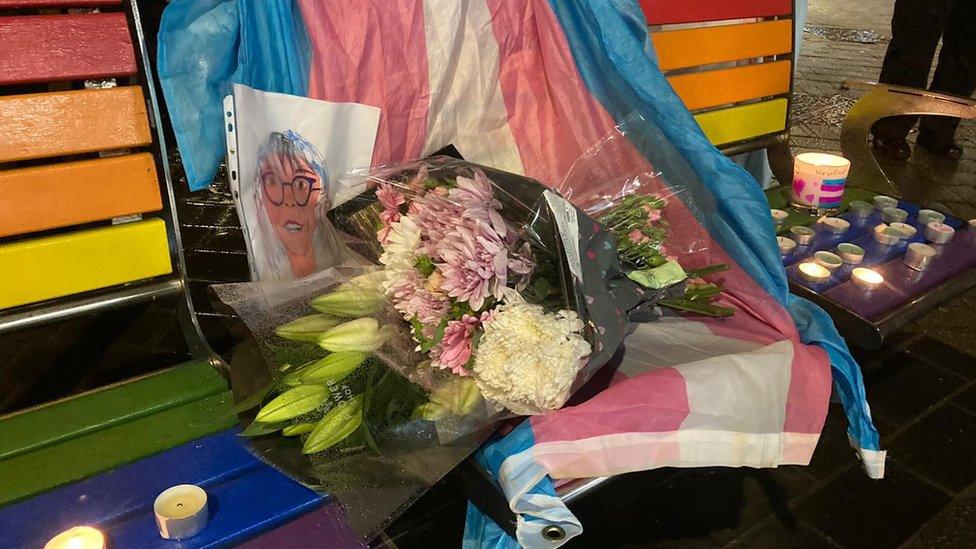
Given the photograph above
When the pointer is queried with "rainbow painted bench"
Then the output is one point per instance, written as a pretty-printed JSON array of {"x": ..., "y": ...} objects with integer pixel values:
[
  {"x": 731, "y": 63},
  {"x": 88, "y": 227}
]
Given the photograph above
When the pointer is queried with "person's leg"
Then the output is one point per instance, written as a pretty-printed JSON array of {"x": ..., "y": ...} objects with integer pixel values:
[
  {"x": 955, "y": 74},
  {"x": 916, "y": 27}
]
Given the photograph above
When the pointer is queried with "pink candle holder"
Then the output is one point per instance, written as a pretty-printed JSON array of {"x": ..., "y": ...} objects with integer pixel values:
[{"x": 818, "y": 182}]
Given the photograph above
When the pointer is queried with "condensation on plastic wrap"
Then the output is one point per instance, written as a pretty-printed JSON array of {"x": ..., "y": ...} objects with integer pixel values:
[{"x": 413, "y": 422}]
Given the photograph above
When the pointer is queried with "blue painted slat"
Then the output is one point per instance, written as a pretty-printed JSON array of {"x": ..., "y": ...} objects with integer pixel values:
[{"x": 250, "y": 497}]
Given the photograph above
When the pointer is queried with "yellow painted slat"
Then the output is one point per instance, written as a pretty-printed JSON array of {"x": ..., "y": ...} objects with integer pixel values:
[
  {"x": 684, "y": 48},
  {"x": 743, "y": 122},
  {"x": 701, "y": 90},
  {"x": 55, "y": 266}
]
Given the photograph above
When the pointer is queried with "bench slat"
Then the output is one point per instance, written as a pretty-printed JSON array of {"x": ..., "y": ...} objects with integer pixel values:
[
  {"x": 28, "y": 4},
  {"x": 707, "y": 45},
  {"x": 56, "y": 266},
  {"x": 47, "y": 48},
  {"x": 701, "y": 90},
  {"x": 743, "y": 122},
  {"x": 664, "y": 12},
  {"x": 60, "y": 195},
  {"x": 41, "y": 125}
]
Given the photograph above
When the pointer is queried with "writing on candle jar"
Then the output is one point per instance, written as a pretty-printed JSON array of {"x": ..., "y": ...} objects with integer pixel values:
[
  {"x": 811, "y": 272},
  {"x": 79, "y": 537},
  {"x": 818, "y": 181},
  {"x": 867, "y": 279}
]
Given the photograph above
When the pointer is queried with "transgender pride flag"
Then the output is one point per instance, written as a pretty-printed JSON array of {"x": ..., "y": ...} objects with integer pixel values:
[{"x": 528, "y": 86}]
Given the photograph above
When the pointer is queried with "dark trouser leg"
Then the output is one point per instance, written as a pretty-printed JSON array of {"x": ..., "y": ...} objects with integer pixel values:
[
  {"x": 956, "y": 72},
  {"x": 916, "y": 27}
]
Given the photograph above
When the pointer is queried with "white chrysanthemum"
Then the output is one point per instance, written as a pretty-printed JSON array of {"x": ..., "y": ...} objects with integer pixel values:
[
  {"x": 527, "y": 359},
  {"x": 400, "y": 250}
]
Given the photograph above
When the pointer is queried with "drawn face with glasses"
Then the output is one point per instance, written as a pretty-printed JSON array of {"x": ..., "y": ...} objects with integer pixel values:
[{"x": 290, "y": 190}]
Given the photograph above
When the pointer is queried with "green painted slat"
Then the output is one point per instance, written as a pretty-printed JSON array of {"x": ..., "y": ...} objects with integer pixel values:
[
  {"x": 59, "y": 421},
  {"x": 77, "y": 458}
]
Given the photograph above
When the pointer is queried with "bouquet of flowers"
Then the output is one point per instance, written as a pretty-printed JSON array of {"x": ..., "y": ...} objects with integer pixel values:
[{"x": 489, "y": 295}]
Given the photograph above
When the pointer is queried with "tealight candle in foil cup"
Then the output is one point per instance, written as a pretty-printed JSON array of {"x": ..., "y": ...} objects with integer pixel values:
[
  {"x": 786, "y": 244},
  {"x": 802, "y": 235},
  {"x": 938, "y": 233},
  {"x": 811, "y": 272},
  {"x": 925, "y": 217},
  {"x": 894, "y": 215},
  {"x": 835, "y": 225},
  {"x": 885, "y": 235},
  {"x": 867, "y": 279},
  {"x": 827, "y": 260},
  {"x": 881, "y": 202},
  {"x": 861, "y": 208},
  {"x": 919, "y": 256},
  {"x": 905, "y": 231},
  {"x": 851, "y": 253},
  {"x": 779, "y": 216},
  {"x": 181, "y": 511}
]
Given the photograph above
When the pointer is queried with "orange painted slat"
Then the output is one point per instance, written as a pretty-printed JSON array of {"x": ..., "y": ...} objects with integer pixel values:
[
  {"x": 701, "y": 90},
  {"x": 41, "y": 125},
  {"x": 59, "y": 195},
  {"x": 684, "y": 48},
  {"x": 79, "y": 46}
]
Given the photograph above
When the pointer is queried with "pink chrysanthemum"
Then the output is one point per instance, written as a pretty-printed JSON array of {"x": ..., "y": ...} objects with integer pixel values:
[
  {"x": 477, "y": 201},
  {"x": 411, "y": 298},
  {"x": 454, "y": 349},
  {"x": 391, "y": 199},
  {"x": 653, "y": 214},
  {"x": 637, "y": 236},
  {"x": 475, "y": 263}
]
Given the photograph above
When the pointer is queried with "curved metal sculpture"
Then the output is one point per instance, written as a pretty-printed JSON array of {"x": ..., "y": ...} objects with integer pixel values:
[{"x": 882, "y": 101}]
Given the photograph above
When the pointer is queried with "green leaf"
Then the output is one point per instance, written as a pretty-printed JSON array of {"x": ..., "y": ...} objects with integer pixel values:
[
  {"x": 668, "y": 274},
  {"x": 427, "y": 345},
  {"x": 706, "y": 309},
  {"x": 339, "y": 423},
  {"x": 424, "y": 265},
  {"x": 293, "y": 403},
  {"x": 254, "y": 400},
  {"x": 257, "y": 428},
  {"x": 332, "y": 368},
  {"x": 712, "y": 269},
  {"x": 307, "y": 328},
  {"x": 297, "y": 429}
]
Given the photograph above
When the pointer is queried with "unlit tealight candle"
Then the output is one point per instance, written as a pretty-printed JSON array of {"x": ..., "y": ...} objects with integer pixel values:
[
  {"x": 828, "y": 260},
  {"x": 904, "y": 230},
  {"x": 881, "y": 202},
  {"x": 850, "y": 253},
  {"x": 894, "y": 215},
  {"x": 925, "y": 217},
  {"x": 802, "y": 235},
  {"x": 867, "y": 279},
  {"x": 886, "y": 236},
  {"x": 779, "y": 216},
  {"x": 786, "y": 244},
  {"x": 181, "y": 511},
  {"x": 79, "y": 537},
  {"x": 938, "y": 233},
  {"x": 811, "y": 272},
  {"x": 835, "y": 225},
  {"x": 860, "y": 208},
  {"x": 919, "y": 256}
]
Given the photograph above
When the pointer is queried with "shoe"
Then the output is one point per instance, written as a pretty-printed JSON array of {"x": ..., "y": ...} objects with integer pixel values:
[
  {"x": 896, "y": 149},
  {"x": 948, "y": 150}
]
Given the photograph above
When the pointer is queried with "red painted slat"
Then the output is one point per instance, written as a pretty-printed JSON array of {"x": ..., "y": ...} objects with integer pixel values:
[
  {"x": 46, "y": 48},
  {"x": 663, "y": 12},
  {"x": 17, "y": 4}
]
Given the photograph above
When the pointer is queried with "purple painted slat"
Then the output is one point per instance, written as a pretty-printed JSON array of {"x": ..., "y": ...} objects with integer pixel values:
[
  {"x": 324, "y": 525},
  {"x": 901, "y": 283}
]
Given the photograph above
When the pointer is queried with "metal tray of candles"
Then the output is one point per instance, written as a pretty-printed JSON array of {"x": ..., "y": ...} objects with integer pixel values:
[{"x": 879, "y": 264}]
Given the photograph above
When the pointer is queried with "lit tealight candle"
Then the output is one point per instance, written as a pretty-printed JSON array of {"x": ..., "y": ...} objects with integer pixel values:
[
  {"x": 181, "y": 511},
  {"x": 850, "y": 253},
  {"x": 927, "y": 216},
  {"x": 779, "y": 216},
  {"x": 79, "y": 537},
  {"x": 786, "y": 244},
  {"x": 905, "y": 231},
  {"x": 812, "y": 272},
  {"x": 886, "y": 236},
  {"x": 881, "y": 202},
  {"x": 860, "y": 208},
  {"x": 828, "y": 260},
  {"x": 919, "y": 256},
  {"x": 835, "y": 225},
  {"x": 894, "y": 215},
  {"x": 939, "y": 233},
  {"x": 802, "y": 235},
  {"x": 866, "y": 278}
]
